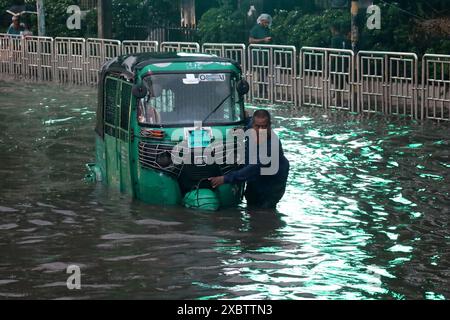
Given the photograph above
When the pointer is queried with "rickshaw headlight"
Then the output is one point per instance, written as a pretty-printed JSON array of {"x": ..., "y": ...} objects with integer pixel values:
[{"x": 164, "y": 159}]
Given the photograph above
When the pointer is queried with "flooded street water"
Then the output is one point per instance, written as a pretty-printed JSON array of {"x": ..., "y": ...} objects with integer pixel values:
[{"x": 365, "y": 216}]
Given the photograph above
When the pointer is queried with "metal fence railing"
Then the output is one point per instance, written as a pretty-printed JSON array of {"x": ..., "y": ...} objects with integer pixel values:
[
  {"x": 135, "y": 46},
  {"x": 272, "y": 71},
  {"x": 188, "y": 47},
  {"x": 16, "y": 54},
  {"x": 234, "y": 51},
  {"x": 327, "y": 78},
  {"x": 99, "y": 51},
  {"x": 388, "y": 83},
  {"x": 312, "y": 77},
  {"x": 436, "y": 87},
  {"x": 368, "y": 82},
  {"x": 70, "y": 63},
  {"x": 38, "y": 58},
  {"x": 5, "y": 61}
]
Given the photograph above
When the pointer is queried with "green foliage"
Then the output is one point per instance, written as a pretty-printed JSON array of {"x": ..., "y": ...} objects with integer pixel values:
[
  {"x": 223, "y": 25},
  {"x": 201, "y": 6},
  {"x": 311, "y": 27},
  {"x": 392, "y": 27},
  {"x": 143, "y": 13},
  {"x": 125, "y": 12},
  {"x": 56, "y": 17},
  {"x": 295, "y": 28},
  {"x": 400, "y": 32},
  {"x": 420, "y": 8},
  {"x": 228, "y": 23}
]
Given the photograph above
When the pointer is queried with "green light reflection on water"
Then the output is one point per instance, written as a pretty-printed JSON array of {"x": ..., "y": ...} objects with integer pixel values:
[
  {"x": 434, "y": 296},
  {"x": 447, "y": 165},
  {"x": 400, "y": 260},
  {"x": 400, "y": 199},
  {"x": 342, "y": 197},
  {"x": 434, "y": 260},
  {"x": 414, "y": 145},
  {"x": 401, "y": 248},
  {"x": 431, "y": 176}
]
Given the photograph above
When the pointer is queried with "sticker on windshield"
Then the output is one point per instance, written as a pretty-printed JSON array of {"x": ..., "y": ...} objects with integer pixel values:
[
  {"x": 212, "y": 77},
  {"x": 191, "y": 79}
]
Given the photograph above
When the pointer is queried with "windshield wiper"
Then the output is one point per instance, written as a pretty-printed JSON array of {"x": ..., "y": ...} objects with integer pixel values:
[{"x": 216, "y": 108}]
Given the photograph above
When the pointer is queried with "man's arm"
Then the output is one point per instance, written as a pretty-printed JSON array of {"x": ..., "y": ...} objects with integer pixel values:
[
  {"x": 252, "y": 40},
  {"x": 249, "y": 172}
]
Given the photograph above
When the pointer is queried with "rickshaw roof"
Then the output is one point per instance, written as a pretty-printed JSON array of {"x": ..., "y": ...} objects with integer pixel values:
[{"x": 140, "y": 64}]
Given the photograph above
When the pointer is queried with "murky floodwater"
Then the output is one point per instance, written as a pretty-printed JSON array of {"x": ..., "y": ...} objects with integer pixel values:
[{"x": 366, "y": 214}]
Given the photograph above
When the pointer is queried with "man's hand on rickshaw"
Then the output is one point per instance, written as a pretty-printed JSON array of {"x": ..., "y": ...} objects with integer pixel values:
[{"x": 216, "y": 181}]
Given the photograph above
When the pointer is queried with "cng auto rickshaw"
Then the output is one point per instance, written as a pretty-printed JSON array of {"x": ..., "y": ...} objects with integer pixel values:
[{"x": 165, "y": 124}]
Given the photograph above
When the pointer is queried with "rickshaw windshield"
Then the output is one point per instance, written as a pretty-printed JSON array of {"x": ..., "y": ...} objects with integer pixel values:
[{"x": 188, "y": 97}]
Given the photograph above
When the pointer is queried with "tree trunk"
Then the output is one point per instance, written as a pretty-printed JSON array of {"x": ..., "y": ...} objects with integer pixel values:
[
  {"x": 40, "y": 17},
  {"x": 188, "y": 13},
  {"x": 104, "y": 19},
  {"x": 354, "y": 26}
]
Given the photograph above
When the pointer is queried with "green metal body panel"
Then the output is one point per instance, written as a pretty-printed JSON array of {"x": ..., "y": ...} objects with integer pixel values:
[
  {"x": 100, "y": 157},
  {"x": 156, "y": 187},
  {"x": 111, "y": 162}
]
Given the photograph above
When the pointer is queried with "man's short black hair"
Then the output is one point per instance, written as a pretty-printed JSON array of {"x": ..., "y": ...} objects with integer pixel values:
[{"x": 262, "y": 113}]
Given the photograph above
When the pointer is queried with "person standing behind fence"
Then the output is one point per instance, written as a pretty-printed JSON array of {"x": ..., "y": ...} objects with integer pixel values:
[
  {"x": 260, "y": 33},
  {"x": 27, "y": 32},
  {"x": 16, "y": 28}
]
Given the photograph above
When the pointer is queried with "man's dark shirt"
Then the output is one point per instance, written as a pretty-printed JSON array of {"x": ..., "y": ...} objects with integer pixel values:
[
  {"x": 262, "y": 189},
  {"x": 14, "y": 31},
  {"x": 260, "y": 32}
]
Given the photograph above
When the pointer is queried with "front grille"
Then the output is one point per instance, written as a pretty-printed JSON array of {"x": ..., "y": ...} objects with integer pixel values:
[{"x": 148, "y": 152}]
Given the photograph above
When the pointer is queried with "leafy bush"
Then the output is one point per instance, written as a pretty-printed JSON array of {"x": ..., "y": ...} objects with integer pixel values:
[
  {"x": 56, "y": 17},
  {"x": 295, "y": 28},
  {"x": 223, "y": 25},
  {"x": 144, "y": 14}
]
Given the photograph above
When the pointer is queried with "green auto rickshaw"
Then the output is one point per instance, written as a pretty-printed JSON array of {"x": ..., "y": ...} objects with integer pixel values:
[{"x": 165, "y": 124}]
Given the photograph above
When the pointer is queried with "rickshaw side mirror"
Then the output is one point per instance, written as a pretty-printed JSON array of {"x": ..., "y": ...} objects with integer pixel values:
[
  {"x": 242, "y": 87},
  {"x": 139, "y": 90}
]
